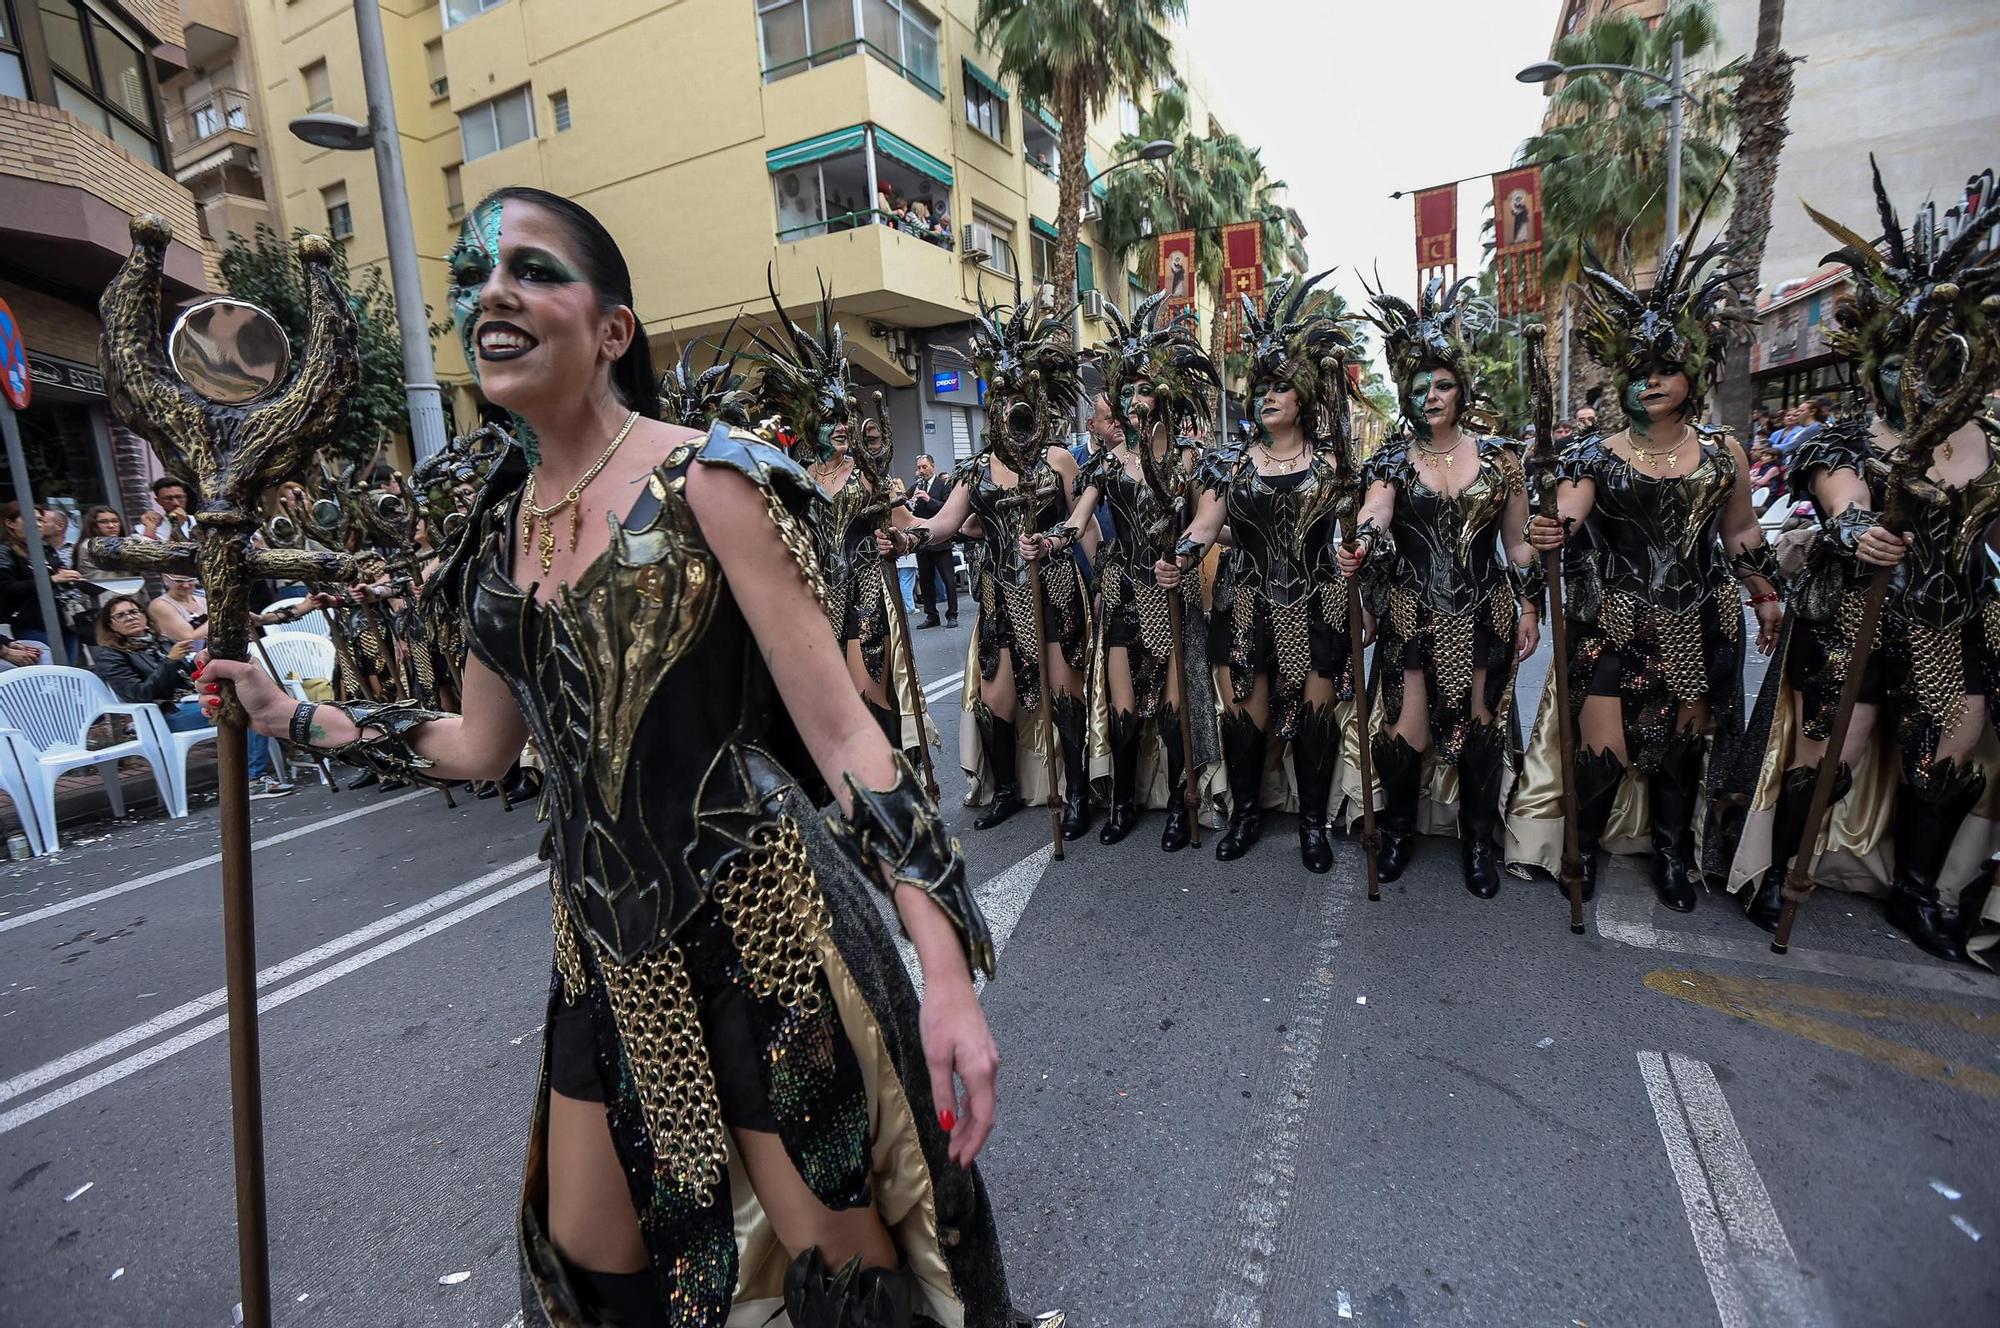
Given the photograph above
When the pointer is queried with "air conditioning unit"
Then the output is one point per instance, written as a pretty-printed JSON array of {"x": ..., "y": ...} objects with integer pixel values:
[
  {"x": 1092, "y": 303},
  {"x": 1045, "y": 295},
  {"x": 976, "y": 241}
]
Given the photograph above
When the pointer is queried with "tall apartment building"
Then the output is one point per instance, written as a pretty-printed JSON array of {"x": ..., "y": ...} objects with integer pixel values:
[
  {"x": 717, "y": 139},
  {"x": 83, "y": 145}
]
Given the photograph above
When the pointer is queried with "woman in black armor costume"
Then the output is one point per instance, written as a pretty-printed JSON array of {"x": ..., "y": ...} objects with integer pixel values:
[
  {"x": 1926, "y": 354},
  {"x": 1654, "y": 588},
  {"x": 1455, "y": 611},
  {"x": 1158, "y": 384},
  {"x": 1281, "y": 606},
  {"x": 734, "y": 1101},
  {"x": 1019, "y": 485}
]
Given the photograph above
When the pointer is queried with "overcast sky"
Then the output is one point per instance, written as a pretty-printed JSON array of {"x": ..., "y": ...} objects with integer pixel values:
[{"x": 1352, "y": 100}]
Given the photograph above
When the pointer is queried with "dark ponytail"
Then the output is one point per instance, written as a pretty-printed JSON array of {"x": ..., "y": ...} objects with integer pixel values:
[{"x": 632, "y": 377}]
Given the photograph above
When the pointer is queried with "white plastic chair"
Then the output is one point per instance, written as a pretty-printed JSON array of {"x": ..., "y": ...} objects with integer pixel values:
[
  {"x": 54, "y": 707},
  {"x": 294, "y": 657},
  {"x": 14, "y": 782},
  {"x": 314, "y": 623}
]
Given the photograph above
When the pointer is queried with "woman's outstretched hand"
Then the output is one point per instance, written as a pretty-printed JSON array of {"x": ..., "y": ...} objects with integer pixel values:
[
  {"x": 269, "y": 706},
  {"x": 958, "y": 1043}
]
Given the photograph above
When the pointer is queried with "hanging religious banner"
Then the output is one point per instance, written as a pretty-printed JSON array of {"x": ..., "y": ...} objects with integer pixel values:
[
  {"x": 1176, "y": 269},
  {"x": 1437, "y": 230},
  {"x": 1242, "y": 274},
  {"x": 1517, "y": 240}
]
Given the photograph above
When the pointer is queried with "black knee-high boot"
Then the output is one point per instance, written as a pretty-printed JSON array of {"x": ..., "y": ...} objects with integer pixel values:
[
  {"x": 618, "y": 1300},
  {"x": 1070, "y": 727},
  {"x": 1479, "y": 767},
  {"x": 1676, "y": 797},
  {"x": 1174, "y": 837},
  {"x": 1315, "y": 752},
  {"x": 1398, "y": 769},
  {"x": 1126, "y": 729},
  {"x": 996, "y": 737},
  {"x": 1927, "y": 819},
  {"x": 1788, "y": 821},
  {"x": 852, "y": 1297},
  {"x": 1243, "y": 752},
  {"x": 1598, "y": 776}
]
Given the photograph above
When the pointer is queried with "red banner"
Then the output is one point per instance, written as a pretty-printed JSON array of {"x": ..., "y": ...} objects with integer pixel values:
[
  {"x": 1243, "y": 274},
  {"x": 1517, "y": 236},
  {"x": 1177, "y": 273},
  {"x": 1437, "y": 229}
]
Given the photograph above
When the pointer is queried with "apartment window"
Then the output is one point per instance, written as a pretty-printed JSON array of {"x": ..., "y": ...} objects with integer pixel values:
[
  {"x": 797, "y": 35},
  {"x": 985, "y": 104},
  {"x": 1000, "y": 251},
  {"x": 339, "y": 216},
  {"x": 1128, "y": 117},
  {"x": 1042, "y": 143},
  {"x": 458, "y": 11},
  {"x": 319, "y": 91},
  {"x": 820, "y": 186},
  {"x": 13, "y": 76},
  {"x": 500, "y": 123},
  {"x": 559, "y": 111},
  {"x": 1041, "y": 256},
  {"x": 454, "y": 194},
  {"x": 1086, "y": 270},
  {"x": 100, "y": 74},
  {"x": 434, "y": 67}
]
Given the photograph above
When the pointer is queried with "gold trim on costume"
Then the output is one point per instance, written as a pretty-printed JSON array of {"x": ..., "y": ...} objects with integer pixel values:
[
  {"x": 659, "y": 1026},
  {"x": 775, "y": 910}
]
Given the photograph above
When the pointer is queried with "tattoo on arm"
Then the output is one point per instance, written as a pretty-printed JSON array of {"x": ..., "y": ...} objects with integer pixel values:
[{"x": 316, "y": 734}]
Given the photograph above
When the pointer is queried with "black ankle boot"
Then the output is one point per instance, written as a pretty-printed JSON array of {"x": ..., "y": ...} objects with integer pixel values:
[
  {"x": 889, "y": 721},
  {"x": 853, "y": 1297},
  {"x": 1927, "y": 820},
  {"x": 1479, "y": 766},
  {"x": 996, "y": 738},
  {"x": 1124, "y": 813},
  {"x": 1174, "y": 837},
  {"x": 524, "y": 785},
  {"x": 1598, "y": 777},
  {"x": 1398, "y": 770},
  {"x": 1243, "y": 753},
  {"x": 1314, "y": 754},
  {"x": 1788, "y": 821},
  {"x": 1070, "y": 727},
  {"x": 1676, "y": 797},
  {"x": 619, "y": 1300}
]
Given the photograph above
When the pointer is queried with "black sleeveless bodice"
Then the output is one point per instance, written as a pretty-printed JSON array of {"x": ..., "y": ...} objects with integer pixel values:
[
  {"x": 843, "y": 524},
  {"x": 1032, "y": 506},
  {"x": 1657, "y": 537},
  {"x": 1447, "y": 545},
  {"x": 1284, "y": 525},
  {"x": 1143, "y": 528}
]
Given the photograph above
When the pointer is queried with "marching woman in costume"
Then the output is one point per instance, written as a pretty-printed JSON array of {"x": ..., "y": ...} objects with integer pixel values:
[
  {"x": 1443, "y": 531},
  {"x": 1663, "y": 545},
  {"x": 1925, "y": 353},
  {"x": 1158, "y": 384},
  {"x": 1283, "y": 609},
  {"x": 1019, "y": 485},
  {"x": 735, "y": 1100}
]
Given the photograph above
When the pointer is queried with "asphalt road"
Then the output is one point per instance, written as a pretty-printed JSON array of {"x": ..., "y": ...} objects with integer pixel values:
[{"x": 1233, "y": 1095}]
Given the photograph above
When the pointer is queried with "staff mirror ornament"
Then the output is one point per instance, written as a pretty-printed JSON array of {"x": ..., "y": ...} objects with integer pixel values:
[{"x": 229, "y": 351}]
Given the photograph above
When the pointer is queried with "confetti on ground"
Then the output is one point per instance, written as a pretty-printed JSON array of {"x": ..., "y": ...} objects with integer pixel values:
[
  {"x": 1361, "y": 1000},
  {"x": 1965, "y": 1226},
  {"x": 1346, "y": 1308},
  {"x": 453, "y": 1279},
  {"x": 1946, "y": 1191},
  {"x": 78, "y": 1191},
  {"x": 116, "y": 1273},
  {"x": 302, "y": 1298},
  {"x": 1546, "y": 1043}
]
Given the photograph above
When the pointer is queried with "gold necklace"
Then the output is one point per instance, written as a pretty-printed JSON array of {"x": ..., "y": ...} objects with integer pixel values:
[
  {"x": 1445, "y": 458},
  {"x": 546, "y": 546},
  {"x": 1273, "y": 460},
  {"x": 1652, "y": 458}
]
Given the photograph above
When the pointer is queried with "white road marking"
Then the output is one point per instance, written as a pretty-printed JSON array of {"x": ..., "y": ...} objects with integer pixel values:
[
  {"x": 168, "y": 873},
  {"x": 1243, "y": 1268},
  {"x": 145, "y": 1031},
  {"x": 1624, "y": 915},
  {"x": 153, "y": 1055},
  {"x": 1752, "y": 1272},
  {"x": 943, "y": 686},
  {"x": 1003, "y": 900}
]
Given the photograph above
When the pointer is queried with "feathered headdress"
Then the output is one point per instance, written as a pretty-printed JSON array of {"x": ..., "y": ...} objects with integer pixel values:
[
  {"x": 696, "y": 398},
  {"x": 1030, "y": 370},
  {"x": 1923, "y": 326},
  {"x": 1674, "y": 327},
  {"x": 1435, "y": 333},
  {"x": 804, "y": 374},
  {"x": 1170, "y": 359},
  {"x": 1302, "y": 348}
]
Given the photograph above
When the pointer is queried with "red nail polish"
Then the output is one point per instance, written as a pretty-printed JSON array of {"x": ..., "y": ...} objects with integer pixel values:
[{"x": 947, "y": 1120}]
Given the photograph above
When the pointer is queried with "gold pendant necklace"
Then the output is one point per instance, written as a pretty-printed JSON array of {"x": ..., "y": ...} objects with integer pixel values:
[
  {"x": 1672, "y": 454},
  {"x": 545, "y": 547},
  {"x": 1441, "y": 458}
]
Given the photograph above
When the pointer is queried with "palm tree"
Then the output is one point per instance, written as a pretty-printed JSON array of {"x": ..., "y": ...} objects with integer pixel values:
[
  {"x": 1763, "y": 99},
  {"x": 1072, "y": 56},
  {"x": 1605, "y": 170}
]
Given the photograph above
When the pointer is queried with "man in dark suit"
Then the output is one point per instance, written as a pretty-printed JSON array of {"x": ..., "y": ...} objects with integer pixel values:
[{"x": 927, "y": 495}]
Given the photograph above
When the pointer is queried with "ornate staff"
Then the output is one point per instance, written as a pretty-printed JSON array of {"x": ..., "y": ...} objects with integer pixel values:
[
  {"x": 1544, "y": 458},
  {"x": 1351, "y": 486},
  {"x": 874, "y": 463},
  {"x": 214, "y": 402}
]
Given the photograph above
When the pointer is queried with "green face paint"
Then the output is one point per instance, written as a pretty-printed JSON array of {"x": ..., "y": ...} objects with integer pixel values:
[
  {"x": 469, "y": 265},
  {"x": 1413, "y": 409},
  {"x": 1634, "y": 403},
  {"x": 823, "y": 450}
]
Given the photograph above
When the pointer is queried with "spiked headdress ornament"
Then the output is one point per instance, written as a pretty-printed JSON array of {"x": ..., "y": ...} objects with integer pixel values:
[
  {"x": 1923, "y": 325},
  {"x": 1170, "y": 360},
  {"x": 1296, "y": 344},
  {"x": 804, "y": 374},
  {"x": 1025, "y": 358},
  {"x": 696, "y": 398},
  {"x": 1434, "y": 333}
]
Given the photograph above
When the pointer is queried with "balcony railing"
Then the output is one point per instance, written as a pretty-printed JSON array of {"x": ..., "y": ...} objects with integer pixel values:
[
  {"x": 840, "y": 50},
  {"x": 938, "y": 233},
  {"x": 224, "y": 109}
]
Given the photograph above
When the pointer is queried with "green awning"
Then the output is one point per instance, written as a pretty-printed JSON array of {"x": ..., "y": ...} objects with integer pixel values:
[
  {"x": 914, "y": 157},
  {"x": 1090, "y": 169},
  {"x": 984, "y": 80},
  {"x": 1042, "y": 228},
  {"x": 815, "y": 149},
  {"x": 1042, "y": 113},
  {"x": 1086, "y": 270}
]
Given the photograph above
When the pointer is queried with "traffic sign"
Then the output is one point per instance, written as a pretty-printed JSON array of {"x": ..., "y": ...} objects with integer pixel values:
[{"x": 14, "y": 380}]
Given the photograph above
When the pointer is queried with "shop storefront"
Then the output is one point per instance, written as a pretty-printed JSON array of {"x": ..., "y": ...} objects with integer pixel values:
[
  {"x": 1790, "y": 362},
  {"x": 66, "y": 437}
]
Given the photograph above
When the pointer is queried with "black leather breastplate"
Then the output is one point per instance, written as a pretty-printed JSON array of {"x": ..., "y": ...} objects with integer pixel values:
[
  {"x": 1284, "y": 530},
  {"x": 1447, "y": 546},
  {"x": 1660, "y": 538},
  {"x": 1033, "y": 505},
  {"x": 1950, "y": 575}
]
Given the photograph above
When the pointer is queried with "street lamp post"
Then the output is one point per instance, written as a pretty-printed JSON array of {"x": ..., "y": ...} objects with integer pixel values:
[{"x": 427, "y": 431}]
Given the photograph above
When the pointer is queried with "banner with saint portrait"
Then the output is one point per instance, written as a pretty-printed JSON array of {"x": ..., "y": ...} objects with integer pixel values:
[
  {"x": 1517, "y": 240},
  {"x": 1242, "y": 274},
  {"x": 1177, "y": 276}
]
